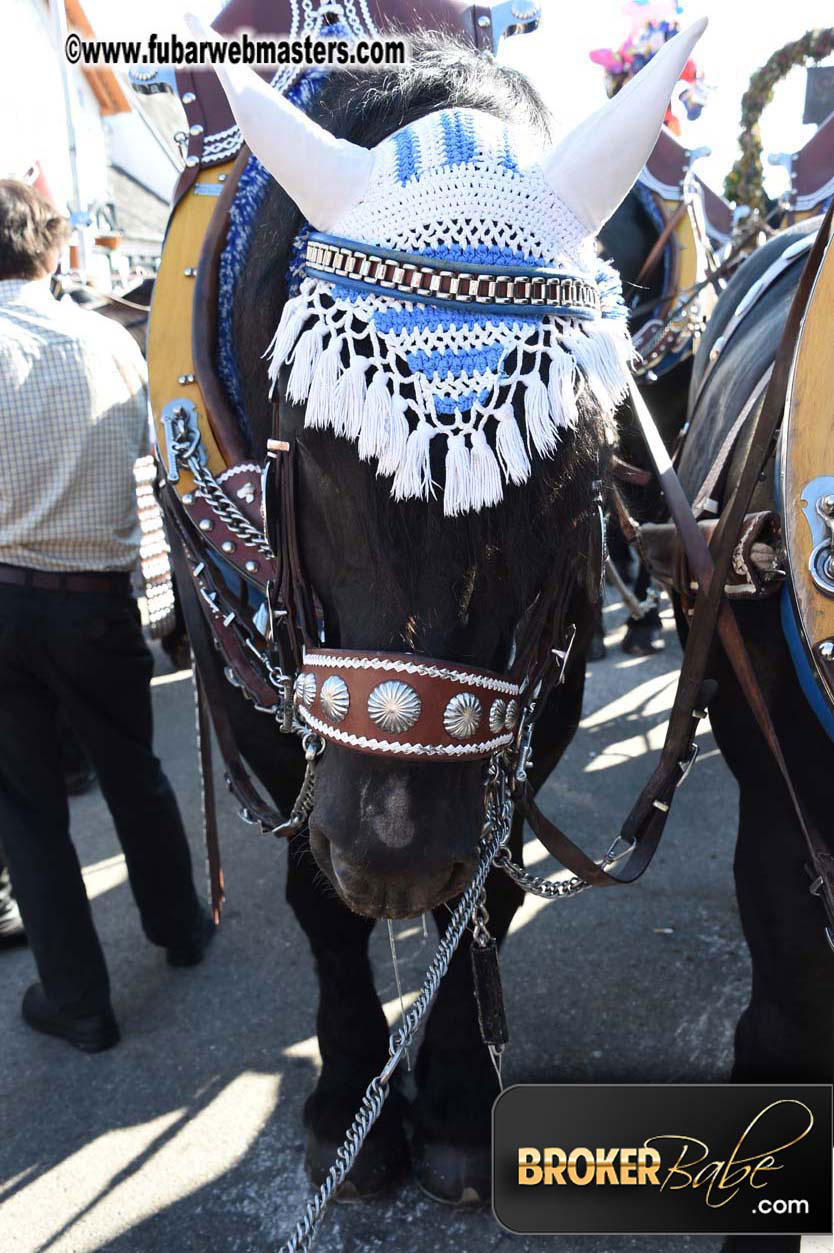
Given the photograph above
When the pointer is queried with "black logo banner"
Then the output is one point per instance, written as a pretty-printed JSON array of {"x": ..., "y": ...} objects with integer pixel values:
[{"x": 652, "y": 1159}]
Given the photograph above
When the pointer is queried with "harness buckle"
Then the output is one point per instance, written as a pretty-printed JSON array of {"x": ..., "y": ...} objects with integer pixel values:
[{"x": 182, "y": 436}]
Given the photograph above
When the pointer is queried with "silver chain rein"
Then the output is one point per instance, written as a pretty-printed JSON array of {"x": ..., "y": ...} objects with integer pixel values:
[{"x": 495, "y": 835}]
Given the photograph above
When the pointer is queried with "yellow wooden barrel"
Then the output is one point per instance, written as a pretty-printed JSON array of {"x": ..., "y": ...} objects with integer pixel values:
[{"x": 807, "y": 477}]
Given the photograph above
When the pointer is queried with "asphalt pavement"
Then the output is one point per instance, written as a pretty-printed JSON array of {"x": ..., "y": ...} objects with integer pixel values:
[{"x": 188, "y": 1135}]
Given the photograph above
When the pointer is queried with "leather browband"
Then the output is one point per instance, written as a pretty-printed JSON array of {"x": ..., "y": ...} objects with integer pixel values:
[
  {"x": 445, "y": 282},
  {"x": 406, "y": 706}
]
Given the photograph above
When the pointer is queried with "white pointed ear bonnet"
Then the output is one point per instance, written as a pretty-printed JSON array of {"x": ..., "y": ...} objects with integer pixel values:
[{"x": 450, "y": 285}]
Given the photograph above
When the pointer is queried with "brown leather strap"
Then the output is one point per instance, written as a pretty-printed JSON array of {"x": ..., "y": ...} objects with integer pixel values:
[
  {"x": 209, "y": 806},
  {"x": 711, "y": 567},
  {"x": 644, "y": 825},
  {"x": 625, "y": 472},
  {"x": 659, "y": 245},
  {"x": 661, "y": 550},
  {"x": 202, "y": 645}
]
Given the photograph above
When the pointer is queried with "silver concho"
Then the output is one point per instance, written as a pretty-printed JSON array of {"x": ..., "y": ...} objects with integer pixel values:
[
  {"x": 462, "y": 715},
  {"x": 305, "y": 689},
  {"x": 335, "y": 698},
  {"x": 511, "y": 716},
  {"x": 394, "y": 706},
  {"x": 497, "y": 716}
]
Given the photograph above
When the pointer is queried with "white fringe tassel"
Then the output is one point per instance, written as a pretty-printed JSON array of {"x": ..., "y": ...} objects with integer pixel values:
[
  {"x": 412, "y": 480},
  {"x": 305, "y": 359},
  {"x": 509, "y": 445},
  {"x": 293, "y": 317},
  {"x": 457, "y": 493},
  {"x": 541, "y": 428},
  {"x": 349, "y": 401},
  {"x": 379, "y": 420},
  {"x": 561, "y": 387},
  {"x": 486, "y": 477},
  {"x": 320, "y": 412},
  {"x": 603, "y": 359},
  {"x": 392, "y": 456},
  {"x": 376, "y": 419}
]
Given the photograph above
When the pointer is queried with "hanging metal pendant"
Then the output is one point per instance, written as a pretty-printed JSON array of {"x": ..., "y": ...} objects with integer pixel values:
[
  {"x": 462, "y": 716},
  {"x": 394, "y": 706},
  {"x": 335, "y": 698}
]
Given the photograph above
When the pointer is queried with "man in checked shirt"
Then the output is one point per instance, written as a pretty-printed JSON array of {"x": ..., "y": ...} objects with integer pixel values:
[{"x": 73, "y": 420}]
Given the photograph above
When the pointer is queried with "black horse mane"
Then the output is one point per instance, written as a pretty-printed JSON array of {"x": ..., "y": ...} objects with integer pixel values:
[{"x": 365, "y": 108}]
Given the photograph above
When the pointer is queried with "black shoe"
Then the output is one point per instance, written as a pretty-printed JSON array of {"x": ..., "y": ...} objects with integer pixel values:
[
  {"x": 192, "y": 952},
  {"x": 92, "y": 1034}
]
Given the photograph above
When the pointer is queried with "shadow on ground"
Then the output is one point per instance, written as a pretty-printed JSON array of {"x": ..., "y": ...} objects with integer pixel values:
[{"x": 188, "y": 1136}]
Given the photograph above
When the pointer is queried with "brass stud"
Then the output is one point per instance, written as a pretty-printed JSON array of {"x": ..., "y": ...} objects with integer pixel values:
[
  {"x": 228, "y": 546},
  {"x": 251, "y": 567},
  {"x": 206, "y": 524}
]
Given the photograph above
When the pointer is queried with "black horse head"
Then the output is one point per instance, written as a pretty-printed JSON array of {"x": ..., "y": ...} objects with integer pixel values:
[{"x": 397, "y": 838}]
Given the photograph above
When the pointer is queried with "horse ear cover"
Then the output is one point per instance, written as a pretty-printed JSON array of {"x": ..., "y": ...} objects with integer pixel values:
[
  {"x": 592, "y": 169},
  {"x": 325, "y": 176},
  {"x": 595, "y": 166}
]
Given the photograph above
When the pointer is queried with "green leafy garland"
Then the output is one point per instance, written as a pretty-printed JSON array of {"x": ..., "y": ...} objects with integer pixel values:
[{"x": 744, "y": 182}]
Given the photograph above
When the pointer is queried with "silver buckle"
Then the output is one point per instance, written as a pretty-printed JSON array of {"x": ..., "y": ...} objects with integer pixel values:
[{"x": 686, "y": 766}]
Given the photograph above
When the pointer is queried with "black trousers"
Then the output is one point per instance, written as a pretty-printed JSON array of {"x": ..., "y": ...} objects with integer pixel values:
[{"x": 84, "y": 652}]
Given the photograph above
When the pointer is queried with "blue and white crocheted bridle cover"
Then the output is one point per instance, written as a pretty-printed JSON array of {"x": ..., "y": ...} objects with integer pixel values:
[{"x": 393, "y": 374}]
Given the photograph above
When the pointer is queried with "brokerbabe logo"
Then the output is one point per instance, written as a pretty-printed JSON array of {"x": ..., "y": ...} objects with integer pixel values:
[{"x": 604, "y": 1159}]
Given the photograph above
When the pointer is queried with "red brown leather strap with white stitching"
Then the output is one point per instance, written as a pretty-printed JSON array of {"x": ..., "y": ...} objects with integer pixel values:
[{"x": 398, "y": 705}]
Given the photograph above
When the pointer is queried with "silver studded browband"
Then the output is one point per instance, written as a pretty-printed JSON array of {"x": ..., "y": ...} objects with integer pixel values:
[{"x": 481, "y": 287}]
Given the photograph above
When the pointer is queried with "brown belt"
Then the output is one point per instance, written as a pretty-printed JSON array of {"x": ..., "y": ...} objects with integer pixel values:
[{"x": 112, "y": 582}]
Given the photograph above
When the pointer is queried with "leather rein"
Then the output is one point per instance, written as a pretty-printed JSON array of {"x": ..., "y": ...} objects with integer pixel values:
[{"x": 409, "y": 707}]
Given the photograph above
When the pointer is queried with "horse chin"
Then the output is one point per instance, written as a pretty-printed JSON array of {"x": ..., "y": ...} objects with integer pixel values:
[{"x": 375, "y": 897}]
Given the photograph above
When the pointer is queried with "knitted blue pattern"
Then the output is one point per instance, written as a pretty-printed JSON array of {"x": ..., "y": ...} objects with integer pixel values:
[
  {"x": 496, "y": 384},
  {"x": 244, "y": 209}
]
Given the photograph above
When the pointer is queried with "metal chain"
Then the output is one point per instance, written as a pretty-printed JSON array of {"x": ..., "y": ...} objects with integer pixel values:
[
  {"x": 313, "y": 746},
  {"x": 469, "y": 912},
  {"x": 495, "y": 835},
  {"x": 555, "y": 889},
  {"x": 238, "y": 524},
  {"x": 185, "y": 449}
]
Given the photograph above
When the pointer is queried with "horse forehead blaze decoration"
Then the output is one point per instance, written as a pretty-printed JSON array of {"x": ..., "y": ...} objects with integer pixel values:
[{"x": 450, "y": 288}]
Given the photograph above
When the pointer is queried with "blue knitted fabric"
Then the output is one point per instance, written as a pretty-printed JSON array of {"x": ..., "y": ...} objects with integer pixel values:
[
  {"x": 242, "y": 215},
  {"x": 497, "y": 384}
]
